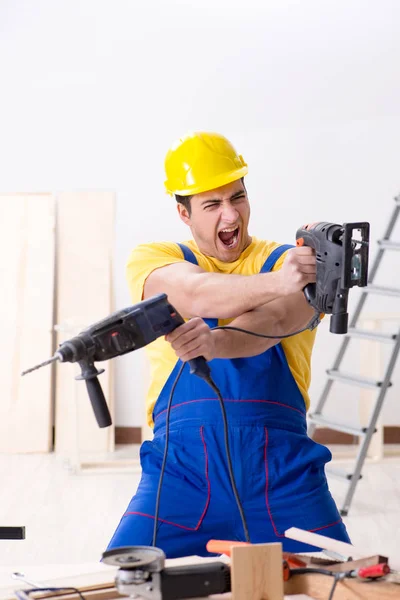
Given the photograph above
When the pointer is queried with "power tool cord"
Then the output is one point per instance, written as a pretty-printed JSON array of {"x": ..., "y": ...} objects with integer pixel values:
[
  {"x": 229, "y": 459},
  {"x": 57, "y": 591},
  {"x": 262, "y": 335},
  {"x": 337, "y": 576},
  {"x": 226, "y": 434},
  {"x": 157, "y": 508},
  {"x": 227, "y": 449}
]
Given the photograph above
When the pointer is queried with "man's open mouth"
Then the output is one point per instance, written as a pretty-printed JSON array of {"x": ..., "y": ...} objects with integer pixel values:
[{"x": 229, "y": 237}]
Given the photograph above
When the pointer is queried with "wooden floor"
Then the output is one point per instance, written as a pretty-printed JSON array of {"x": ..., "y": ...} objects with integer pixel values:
[{"x": 70, "y": 517}]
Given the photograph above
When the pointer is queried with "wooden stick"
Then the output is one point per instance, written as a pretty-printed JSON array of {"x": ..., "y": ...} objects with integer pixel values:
[{"x": 321, "y": 541}]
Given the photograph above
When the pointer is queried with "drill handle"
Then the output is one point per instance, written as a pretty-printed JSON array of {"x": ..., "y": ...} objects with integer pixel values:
[
  {"x": 310, "y": 293},
  {"x": 98, "y": 402},
  {"x": 305, "y": 237},
  {"x": 96, "y": 395},
  {"x": 199, "y": 367}
]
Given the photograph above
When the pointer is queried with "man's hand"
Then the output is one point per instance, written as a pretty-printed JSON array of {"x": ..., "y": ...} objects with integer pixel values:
[
  {"x": 299, "y": 268},
  {"x": 192, "y": 339}
]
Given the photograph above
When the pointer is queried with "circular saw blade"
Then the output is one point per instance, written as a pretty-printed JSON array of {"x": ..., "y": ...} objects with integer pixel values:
[{"x": 135, "y": 557}]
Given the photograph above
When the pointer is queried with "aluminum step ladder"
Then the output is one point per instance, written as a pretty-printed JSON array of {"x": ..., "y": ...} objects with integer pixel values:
[{"x": 364, "y": 434}]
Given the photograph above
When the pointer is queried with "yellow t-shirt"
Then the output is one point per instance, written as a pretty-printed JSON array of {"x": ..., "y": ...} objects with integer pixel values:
[{"x": 145, "y": 258}]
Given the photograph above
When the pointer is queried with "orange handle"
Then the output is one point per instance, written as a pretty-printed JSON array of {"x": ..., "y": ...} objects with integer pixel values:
[
  {"x": 293, "y": 560},
  {"x": 374, "y": 571},
  {"x": 223, "y": 546},
  {"x": 286, "y": 570}
]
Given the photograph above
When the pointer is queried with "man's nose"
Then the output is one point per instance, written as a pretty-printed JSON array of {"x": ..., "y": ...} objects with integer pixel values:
[{"x": 229, "y": 213}]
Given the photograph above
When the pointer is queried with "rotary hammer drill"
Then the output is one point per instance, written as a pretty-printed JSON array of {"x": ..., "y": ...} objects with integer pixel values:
[{"x": 121, "y": 332}]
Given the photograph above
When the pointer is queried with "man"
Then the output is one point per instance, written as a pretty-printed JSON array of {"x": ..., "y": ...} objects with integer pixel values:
[{"x": 226, "y": 276}]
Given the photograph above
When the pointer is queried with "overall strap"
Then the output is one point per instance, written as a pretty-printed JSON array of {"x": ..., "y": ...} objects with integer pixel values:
[
  {"x": 190, "y": 257},
  {"x": 188, "y": 254},
  {"x": 273, "y": 257}
]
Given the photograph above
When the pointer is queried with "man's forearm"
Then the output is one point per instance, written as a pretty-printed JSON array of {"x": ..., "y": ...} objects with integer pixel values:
[
  {"x": 232, "y": 295},
  {"x": 198, "y": 293},
  {"x": 277, "y": 318}
]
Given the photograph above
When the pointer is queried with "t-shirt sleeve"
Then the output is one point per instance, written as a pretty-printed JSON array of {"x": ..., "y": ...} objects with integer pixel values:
[{"x": 144, "y": 259}]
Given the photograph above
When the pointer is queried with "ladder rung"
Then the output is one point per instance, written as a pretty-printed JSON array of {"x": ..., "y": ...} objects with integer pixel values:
[
  {"x": 371, "y": 335},
  {"x": 389, "y": 245},
  {"x": 353, "y": 379},
  {"x": 384, "y": 291},
  {"x": 336, "y": 426},
  {"x": 340, "y": 473}
]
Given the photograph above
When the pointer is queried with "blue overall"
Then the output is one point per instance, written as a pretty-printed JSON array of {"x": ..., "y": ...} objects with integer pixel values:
[{"x": 279, "y": 470}]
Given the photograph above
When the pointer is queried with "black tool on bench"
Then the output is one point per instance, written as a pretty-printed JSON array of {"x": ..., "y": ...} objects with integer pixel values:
[{"x": 142, "y": 574}]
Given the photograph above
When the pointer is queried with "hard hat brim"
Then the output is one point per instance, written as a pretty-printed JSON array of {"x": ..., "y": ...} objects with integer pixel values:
[{"x": 211, "y": 184}]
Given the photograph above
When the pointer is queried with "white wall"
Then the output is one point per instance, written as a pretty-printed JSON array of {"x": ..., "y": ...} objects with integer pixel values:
[{"x": 93, "y": 92}]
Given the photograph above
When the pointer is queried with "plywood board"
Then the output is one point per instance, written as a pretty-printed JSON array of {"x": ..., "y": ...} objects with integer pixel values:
[
  {"x": 27, "y": 290},
  {"x": 85, "y": 245}
]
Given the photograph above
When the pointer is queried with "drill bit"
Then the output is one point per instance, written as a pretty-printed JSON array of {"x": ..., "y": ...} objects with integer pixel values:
[{"x": 43, "y": 364}]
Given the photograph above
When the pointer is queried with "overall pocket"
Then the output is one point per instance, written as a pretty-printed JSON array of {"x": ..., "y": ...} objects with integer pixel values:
[
  {"x": 185, "y": 491},
  {"x": 297, "y": 493}
]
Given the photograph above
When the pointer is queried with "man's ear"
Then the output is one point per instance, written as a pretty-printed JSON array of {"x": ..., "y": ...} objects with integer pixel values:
[{"x": 183, "y": 213}]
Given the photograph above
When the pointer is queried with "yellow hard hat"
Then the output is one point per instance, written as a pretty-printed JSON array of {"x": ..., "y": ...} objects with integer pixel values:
[{"x": 201, "y": 161}]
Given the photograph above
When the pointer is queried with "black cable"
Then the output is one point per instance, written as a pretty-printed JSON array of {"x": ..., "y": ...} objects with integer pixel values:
[
  {"x": 165, "y": 454},
  {"x": 229, "y": 459},
  {"x": 337, "y": 578},
  {"x": 227, "y": 449},
  {"x": 307, "y": 570},
  {"x": 61, "y": 590},
  {"x": 262, "y": 335}
]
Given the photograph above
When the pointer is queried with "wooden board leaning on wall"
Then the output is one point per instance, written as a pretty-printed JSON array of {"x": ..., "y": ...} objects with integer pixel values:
[
  {"x": 85, "y": 246},
  {"x": 27, "y": 243}
]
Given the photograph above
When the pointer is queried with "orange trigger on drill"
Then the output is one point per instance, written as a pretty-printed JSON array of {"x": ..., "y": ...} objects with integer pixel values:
[{"x": 300, "y": 242}]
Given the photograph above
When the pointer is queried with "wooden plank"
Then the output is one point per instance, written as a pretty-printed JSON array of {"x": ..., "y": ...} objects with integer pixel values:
[
  {"x": 100, "y": 585},
  {"x": 319, "y": 587},
  {"x": 257, "y": 572},
  {"x": 85, "y": 245},
  {"x": 316, "y": 587},
  {"x": 27, "y": 242},
  {"x": 324, "y": 542}
]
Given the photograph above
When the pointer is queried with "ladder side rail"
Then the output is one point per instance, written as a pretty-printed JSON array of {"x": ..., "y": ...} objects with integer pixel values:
[
  {"x": 393, "y": 219},
  {"x": 371, "y": 428}
]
